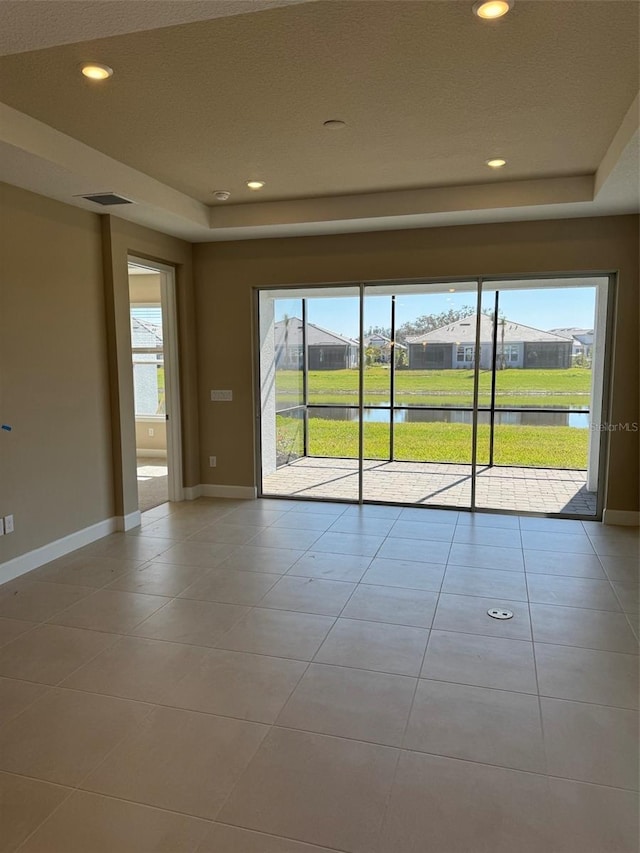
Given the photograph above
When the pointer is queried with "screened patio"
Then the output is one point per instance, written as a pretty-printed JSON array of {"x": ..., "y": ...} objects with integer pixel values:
[{"x": 544, "y": 490}]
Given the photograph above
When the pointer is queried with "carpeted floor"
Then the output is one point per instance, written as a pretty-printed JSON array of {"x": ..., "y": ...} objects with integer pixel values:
[{"x": 153, "y": 488}]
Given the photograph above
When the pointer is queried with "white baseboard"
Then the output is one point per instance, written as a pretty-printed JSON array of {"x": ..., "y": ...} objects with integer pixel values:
[
  {"x": 629, "y": 518},
  {"x": 58, "y": 548},
  {"x": 192, "y": 493},
  {"x": 150, "y": 454},
  {"x": 249, "y": 493},
  {"x": 128, "y": 522}
]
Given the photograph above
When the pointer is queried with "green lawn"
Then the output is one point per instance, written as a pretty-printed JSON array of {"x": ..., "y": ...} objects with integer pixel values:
[
  {"x": 564, "y": 388},
  {"x": 545, "y": 447},
  {"x": 161, "y": 392}
]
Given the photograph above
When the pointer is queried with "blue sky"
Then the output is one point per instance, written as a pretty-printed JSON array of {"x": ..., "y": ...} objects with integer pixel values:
[{"x": 541, "y": 308}]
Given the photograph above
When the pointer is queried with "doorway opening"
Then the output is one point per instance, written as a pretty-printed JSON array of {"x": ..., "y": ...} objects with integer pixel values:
[
  {"x": 155, "y": 383},
  {"x": 480, "y": 395}
]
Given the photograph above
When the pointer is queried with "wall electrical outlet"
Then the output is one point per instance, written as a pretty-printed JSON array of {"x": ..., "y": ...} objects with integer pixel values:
[
  {"x": 222, "y": 396},
  {"x": 150, "y": 430},
  {"x": 8, "y": 524},
  {"x": 212, "y": 462}
]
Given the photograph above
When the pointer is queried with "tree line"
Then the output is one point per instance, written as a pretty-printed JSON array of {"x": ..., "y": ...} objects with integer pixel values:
[{"x": 423, "y": 324}]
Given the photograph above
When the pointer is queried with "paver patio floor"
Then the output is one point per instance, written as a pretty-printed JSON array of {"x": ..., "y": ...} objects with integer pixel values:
[{"x": 545, "y": 490}]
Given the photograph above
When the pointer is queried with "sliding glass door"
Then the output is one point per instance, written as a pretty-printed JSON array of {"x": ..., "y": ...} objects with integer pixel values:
[
  {"x": 310, "y": 392},
  {"x": 541, "y": 366},
  {"x": 418, "y": 406},
  {"x": 333, "y": 412},
  {"x": 474, "y": 394}
]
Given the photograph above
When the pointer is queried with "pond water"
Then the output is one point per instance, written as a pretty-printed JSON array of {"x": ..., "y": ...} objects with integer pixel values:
[{"x": 578, "y": 420}]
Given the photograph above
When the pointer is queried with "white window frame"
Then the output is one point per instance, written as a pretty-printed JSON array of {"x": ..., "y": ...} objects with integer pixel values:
[
  {"x": 147, "y": 351},
  {"x": 467, "y": 352},
  {"x": 510, "y": 353}
]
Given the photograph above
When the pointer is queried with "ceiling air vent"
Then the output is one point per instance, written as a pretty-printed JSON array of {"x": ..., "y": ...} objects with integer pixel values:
[{"x": 106, "y": 199}]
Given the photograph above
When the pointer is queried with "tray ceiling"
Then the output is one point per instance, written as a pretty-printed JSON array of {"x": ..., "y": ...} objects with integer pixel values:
[{"x": 428, "y": 93}]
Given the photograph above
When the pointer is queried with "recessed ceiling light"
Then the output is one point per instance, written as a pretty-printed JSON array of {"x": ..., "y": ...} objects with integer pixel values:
[
  {"x": 255, "y": 185},
  {"x": 496, "y": 163},
  {"x": 489, "y": 10},
  {"x": 452, "y": 290},
  {"x": 96, "y": 71},
  {"x": 334, "y": 124}
]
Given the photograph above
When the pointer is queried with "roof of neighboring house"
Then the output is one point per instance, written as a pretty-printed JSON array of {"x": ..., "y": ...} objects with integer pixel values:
[
  {"x": 145, "y": 334},
  {"x": 582, "y": 336},
  {"x": 289, "y": 333},
  {"x": 380, "y": 340},
  {"x": 464, "y": 332}
]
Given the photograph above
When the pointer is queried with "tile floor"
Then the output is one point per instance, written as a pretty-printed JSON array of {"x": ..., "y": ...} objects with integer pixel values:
[{"x": 297, "y": 677}]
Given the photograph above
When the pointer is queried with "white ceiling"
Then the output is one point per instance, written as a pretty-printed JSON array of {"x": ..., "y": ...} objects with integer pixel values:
[
  {"x": 35, "y": 24},
  {"x": 427, "y": 90}
]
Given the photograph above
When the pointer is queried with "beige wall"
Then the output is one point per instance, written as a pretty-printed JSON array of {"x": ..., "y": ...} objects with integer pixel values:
[
  {"x": 55, "y": 465},
  {"x": 144, "y": 441},
  {"x": 66, "y": 382},
  {"x": 225, "y": 274}
]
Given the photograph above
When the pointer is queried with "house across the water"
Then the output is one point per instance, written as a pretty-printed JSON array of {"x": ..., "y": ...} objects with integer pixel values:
[
  {"x": 517, "y": 346},
  {"x": 581, "y": 339},
  {"x": 381, "y": 347},
  {"x": 325, "y": 350}
]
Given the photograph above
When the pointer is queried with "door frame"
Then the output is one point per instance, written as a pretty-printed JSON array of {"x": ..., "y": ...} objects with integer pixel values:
[
  {"x": 171, "y": 372},
  {"x": 600, "y": 399}
]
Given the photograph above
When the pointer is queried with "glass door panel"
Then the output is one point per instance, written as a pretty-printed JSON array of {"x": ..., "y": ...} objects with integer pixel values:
[
  {"x": 537, "y": 343},
  {"x": 413, "y": 333},
  {"x": 333, "y": 415},
  {"x": 309, "y": 375},
  {"x": 282, "y": 391},
  {"x": 377, "y": 385}
]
